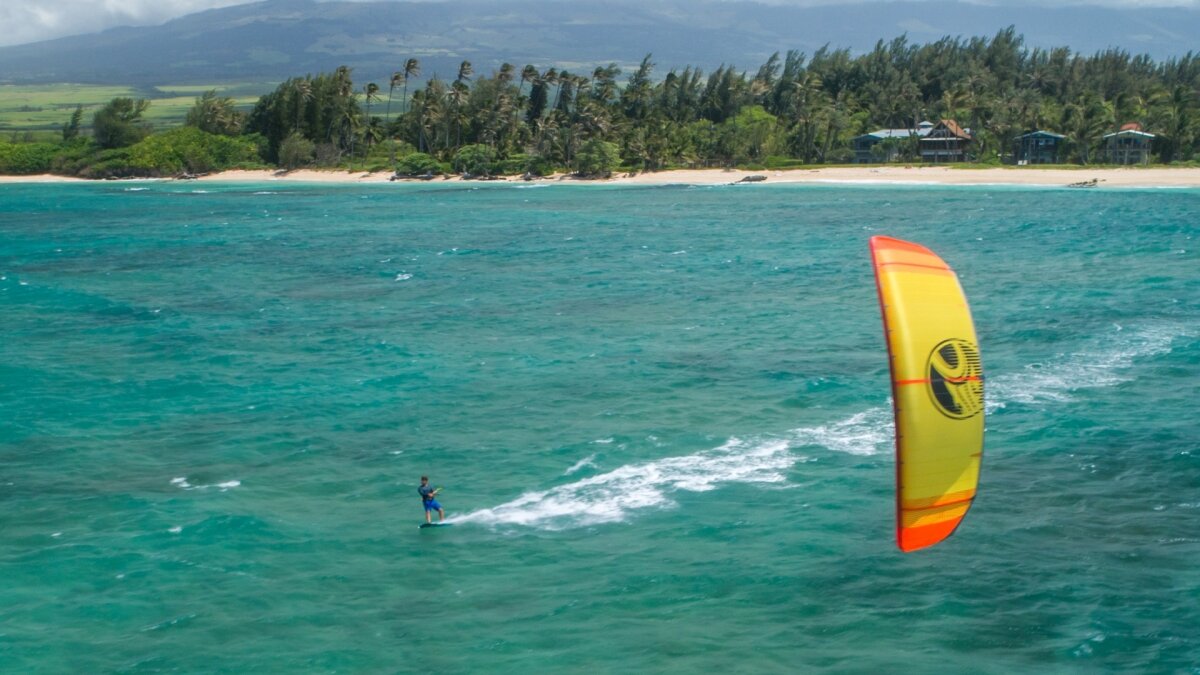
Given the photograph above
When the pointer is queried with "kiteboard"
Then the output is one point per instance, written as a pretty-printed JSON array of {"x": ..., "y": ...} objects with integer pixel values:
[{"x": 425, "y": 525}]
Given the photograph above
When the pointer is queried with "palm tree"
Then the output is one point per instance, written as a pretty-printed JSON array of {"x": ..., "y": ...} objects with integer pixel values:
[
  {"x": 565, "y": 81},
  {"x": 419, "y": 99},
  {"x": 211, "y": 113},
  {"x": 458, "y": 96},
  {"x": 550, "y": 79},
  {"x": 432, "y": 114},
  {"x": 397, "y": 78},
  {"x": 412, "y": 68},
  {"x": 506, "y": 73},
  {"x": 1086, "y": 119},
  {"x": 464, "y": 72},
  {"x": 528, "y": 74},
  {"x": 370, "y": 93},
  {"x": 604, "y": 82},
  {"x": 304, "y": 95},
  {"x": 1172, "y": 115}
]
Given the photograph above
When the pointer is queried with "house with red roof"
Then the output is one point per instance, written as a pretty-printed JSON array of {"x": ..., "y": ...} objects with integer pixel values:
[{"x": 945, "y": 142}]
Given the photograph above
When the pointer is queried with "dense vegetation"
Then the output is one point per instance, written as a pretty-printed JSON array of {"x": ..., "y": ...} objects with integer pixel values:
[{"x": 792, "y": 110}]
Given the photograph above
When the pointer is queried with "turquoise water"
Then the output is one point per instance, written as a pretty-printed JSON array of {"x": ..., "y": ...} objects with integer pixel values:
[{"x": 660, "y": 416}]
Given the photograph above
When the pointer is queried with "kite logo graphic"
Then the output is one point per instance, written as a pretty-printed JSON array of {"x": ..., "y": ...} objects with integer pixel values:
[{"x": 956, "y": 379}]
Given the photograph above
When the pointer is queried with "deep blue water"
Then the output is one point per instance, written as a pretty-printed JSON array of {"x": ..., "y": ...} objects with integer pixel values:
[{"x": 660, "y": 416}]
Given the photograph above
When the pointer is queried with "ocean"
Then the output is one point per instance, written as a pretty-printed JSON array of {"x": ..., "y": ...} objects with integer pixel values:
[{"x": 660, "y": 417}]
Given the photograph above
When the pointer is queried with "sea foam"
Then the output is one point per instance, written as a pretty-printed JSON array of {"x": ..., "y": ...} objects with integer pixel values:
[
  {"x": 1103, "y": 362},
  {"x": 611, "y": 497},
  {"x": 182, "y": 483},
  {"x": 590, "y": 460}
]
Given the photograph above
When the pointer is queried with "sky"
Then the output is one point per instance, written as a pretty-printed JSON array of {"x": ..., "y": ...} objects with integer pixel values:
[{"x": 23, "y": 21}]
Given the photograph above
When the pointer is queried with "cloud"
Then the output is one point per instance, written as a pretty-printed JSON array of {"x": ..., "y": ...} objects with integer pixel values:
[{"x": 33, "y": 20}]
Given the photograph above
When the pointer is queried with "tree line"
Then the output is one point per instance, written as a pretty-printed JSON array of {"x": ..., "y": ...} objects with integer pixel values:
[{"x": 793, "y": 109}]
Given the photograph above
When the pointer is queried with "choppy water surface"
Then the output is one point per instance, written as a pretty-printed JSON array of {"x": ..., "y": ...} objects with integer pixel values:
[{"x": 660, "y": 416}]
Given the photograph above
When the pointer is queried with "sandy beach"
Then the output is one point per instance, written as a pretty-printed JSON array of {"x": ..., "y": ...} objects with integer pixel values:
[{"x": 915, "y": 174}]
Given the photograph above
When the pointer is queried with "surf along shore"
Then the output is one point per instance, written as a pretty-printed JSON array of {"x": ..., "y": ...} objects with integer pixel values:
[{"x": 916, "y": 174}]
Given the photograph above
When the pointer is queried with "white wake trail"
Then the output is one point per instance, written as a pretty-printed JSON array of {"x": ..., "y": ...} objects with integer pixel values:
[{"x": 613, "y": 496}]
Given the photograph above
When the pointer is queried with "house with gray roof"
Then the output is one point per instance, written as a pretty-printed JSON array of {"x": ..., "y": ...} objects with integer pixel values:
[
  {"x": 867, "y": 148},
  {"x": 1038, "y": 147},
  {"x": 1130, "y": 145}
]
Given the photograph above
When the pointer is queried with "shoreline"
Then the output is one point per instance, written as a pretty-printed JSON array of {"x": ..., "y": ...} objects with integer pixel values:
[{"x": 1183, "y": 177}]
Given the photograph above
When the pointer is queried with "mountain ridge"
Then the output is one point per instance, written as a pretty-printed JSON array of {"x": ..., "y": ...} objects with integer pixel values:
[{"x": 276, "y": 39}]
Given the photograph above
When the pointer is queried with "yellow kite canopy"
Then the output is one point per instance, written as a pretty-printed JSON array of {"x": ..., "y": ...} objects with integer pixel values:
[{"x": 937, "y": 390}]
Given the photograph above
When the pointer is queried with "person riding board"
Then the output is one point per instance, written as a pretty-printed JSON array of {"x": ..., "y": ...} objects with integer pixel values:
[{"x": 427, "y": 500}]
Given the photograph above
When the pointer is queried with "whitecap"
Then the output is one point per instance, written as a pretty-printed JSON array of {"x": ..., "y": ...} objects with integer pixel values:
[
  {"x": 182, "y": 483},
  {"x": 590, "y": 460},
  {"x": 403, "y": 277}
]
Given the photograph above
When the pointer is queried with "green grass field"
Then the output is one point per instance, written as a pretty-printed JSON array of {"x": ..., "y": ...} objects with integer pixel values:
[{"x": 46, "y": 107}]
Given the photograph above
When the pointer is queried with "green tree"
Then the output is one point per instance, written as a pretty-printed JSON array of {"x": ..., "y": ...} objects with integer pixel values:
[
  {"x": 368, "y": 131},
  {"x": 412, "y": 68},
  {"x": 296, "y": 151},
  {"x": 528, "y": 74},
  {"x": 70, "y": 130},
  {"x": 27, "y": 158},
  {"x": 215, "y": 115},
  {"x": 475, "y": 160},
  {"x": 322, "y": 109},
  {"x": 190, "y": 149},
  {"x": 597, "y": 159},
  {"x": 396, "y": 78},
  {"x": 1173, "y": 116},
  {"x": 116, "y": 125},
  {"x": 750, "y": 136},
  {"x": 417, "y": 164}
]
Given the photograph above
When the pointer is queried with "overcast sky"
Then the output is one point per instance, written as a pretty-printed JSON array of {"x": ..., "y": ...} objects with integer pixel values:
[{"x": 24, "y": 21}]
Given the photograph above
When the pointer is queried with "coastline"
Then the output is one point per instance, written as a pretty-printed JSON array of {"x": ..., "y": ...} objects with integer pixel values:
[{"x": 900, "y": 175}]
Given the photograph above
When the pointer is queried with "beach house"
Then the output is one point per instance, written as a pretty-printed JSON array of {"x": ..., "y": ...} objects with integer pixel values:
[
  {"x": 885, "y": 145},
  {"x": 1130, "y": 145},
  {"x": 945, "y": 142},
  {"x": 1038, "y": 147}
]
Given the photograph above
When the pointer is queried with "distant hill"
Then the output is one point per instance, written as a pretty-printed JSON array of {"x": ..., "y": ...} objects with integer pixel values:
[{"x": 273, "y": 40}]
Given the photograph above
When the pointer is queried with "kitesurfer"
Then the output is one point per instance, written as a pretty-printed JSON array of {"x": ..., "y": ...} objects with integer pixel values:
[{"x": 427, "y": 499}]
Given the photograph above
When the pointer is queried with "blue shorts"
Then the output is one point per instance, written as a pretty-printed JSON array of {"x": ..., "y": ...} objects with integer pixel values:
[{"x": 432, "y": 505}]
